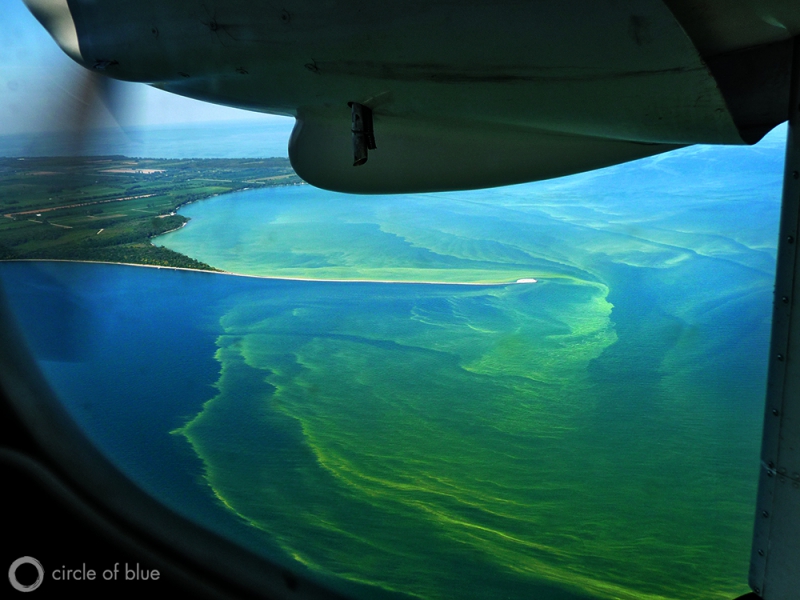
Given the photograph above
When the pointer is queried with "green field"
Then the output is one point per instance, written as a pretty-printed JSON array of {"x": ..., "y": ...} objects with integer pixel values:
[{"x": 108, "y": 208}]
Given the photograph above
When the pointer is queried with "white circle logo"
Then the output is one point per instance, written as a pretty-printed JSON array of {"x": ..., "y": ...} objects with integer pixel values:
[{"x": 12, "y": 574}]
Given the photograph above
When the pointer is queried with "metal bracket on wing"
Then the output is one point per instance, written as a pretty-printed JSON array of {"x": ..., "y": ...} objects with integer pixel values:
[{"x": 363, "y": 134}]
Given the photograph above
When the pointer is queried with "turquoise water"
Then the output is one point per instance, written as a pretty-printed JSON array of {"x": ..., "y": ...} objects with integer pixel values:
[{"x": 592, "y": 435}]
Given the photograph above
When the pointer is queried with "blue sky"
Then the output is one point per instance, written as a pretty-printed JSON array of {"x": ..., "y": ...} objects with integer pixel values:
[{"x": 38, "y": 83}]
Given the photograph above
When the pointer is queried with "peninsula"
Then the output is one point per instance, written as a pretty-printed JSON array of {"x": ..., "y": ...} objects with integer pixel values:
[{"x": 107, "y": 208}]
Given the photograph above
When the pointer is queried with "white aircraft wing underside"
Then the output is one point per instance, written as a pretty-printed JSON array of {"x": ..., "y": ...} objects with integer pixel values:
[{"x": 463, "y": 95}]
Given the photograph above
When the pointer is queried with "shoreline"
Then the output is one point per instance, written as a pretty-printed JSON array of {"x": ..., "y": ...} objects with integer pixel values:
[
  {"x": 217, "y": 194},
  {"x": 273, "y": 277}
]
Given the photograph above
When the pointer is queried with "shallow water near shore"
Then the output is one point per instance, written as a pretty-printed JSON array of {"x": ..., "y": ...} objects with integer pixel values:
[{"x": 591, "y": 435}]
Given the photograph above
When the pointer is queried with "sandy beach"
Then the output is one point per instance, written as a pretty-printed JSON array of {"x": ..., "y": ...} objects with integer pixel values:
[{"x": 399, "y": 281}]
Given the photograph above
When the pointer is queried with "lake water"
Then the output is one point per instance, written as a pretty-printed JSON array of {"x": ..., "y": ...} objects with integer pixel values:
[
  {"x": 262, "y": 137},
  {"x": 595, "y": 434}
]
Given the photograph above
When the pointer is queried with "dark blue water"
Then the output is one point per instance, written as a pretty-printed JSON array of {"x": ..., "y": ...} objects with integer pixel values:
[{"x": 131, "y": 353}]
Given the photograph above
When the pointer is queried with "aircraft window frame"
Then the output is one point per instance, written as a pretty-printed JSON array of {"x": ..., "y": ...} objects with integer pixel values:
[{"x": 42, "y": 439}]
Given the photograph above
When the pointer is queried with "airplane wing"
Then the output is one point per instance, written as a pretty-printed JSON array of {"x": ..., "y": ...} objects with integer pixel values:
[{"x": 460, "y": 95}]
